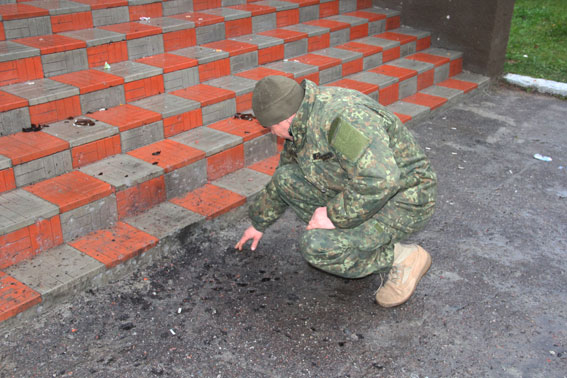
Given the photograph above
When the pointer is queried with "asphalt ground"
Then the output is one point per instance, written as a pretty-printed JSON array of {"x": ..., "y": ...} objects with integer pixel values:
[{"x": 494, "y": 303}]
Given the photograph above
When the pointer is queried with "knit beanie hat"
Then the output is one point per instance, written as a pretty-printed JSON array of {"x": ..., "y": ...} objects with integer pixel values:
[{"x": 275, "y": 99}]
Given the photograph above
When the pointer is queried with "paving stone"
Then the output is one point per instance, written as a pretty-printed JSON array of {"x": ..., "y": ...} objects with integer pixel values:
[
  {"x": 95, "y": 37},
  {"x": 208, "y": 140},
  {"x": 58, "y": 7},
  {"x": 202, "y": 54},
  {"x": 267, "y": 166},
  {"x": 371, "y": 61},
  {"x": 5, "y": 162},
  {"x": 411, "y": 31},
  {"x": 352, "y": 20},
  {"x": 411, "y": 64},
  {"x": 79, "y": 135},
  {"x": 309, "y": 13},
  {"x": 27, "y": 27},
  {"x": 181, "y": 79},
  {"x": 279, "y": 5},
  {"x": 451, "y": 54},
  {"x": 218, "y": 111},
  {"x": 388, "y": 12},
  {"x": 104, "y": 98},
  {"x": 263, "y": 22},
  {"x": 19, "y": 209},
  {"x": 237, "y": 84},
  {"x": 43, "y": 168},
  {"x": 64, "y": 62},
  {"x": 41, "y": 91},
  {"x": 246, "y": 182},
  {"x": 146, "y": 46},
  {"x": 386, "y": 44},
  {"x": 131, "y": 71},
  {"x": 210, "y": 201},
  {"x": 71, "y": 191},
  {"x": 229, "y": 14},
  {"x": 370, "y": 90},
  {"x": 88, "y": 218},
  {"x": 298, "y": 69},
  {"x": 243, "y": 62},
  {"x": 122, "y": 171},
  {"x": 210, "y": 33},
  {"x": 168, "y": 25},
  {"x": 441, "y": 73},
  {"x": 141, "y": 136},
  {"x": 57, "y": 271},
  {"x": 347, "y": 6},
  {"x": 173, "y": 7},
  {"x": 416, "y": 112},
  {"x": 228, "y": 3},
  {"x": 167, "y": 105},
  {"x": 13, "y": 51},
  {"x": 451, "y": 94},
  {"x": 339, "y": 37},
  {"x": 295, "y": 48},
  {"x": 330, "y": 74},
  {"x": 261, "y": 41},
  {"x": 344, "y": 55},
  {"x": 115, "y": 246},
  {"x": 186, "y": 179},
  {"x": 376, "y": 27},
  {"x": 11, "y": 121},
  {"x": 110, "y": 16},
  {"x": 247, "y": 129},
  {"x": 408, "y": 48},
  {"x": 310, "y": 30},
  {"x": 260, "y": 148},
  {"x": 482, "y": 81},
  {"x": 140, "y": 2},
  {"x": 165, "y": 219},
  {"x": 407, "y": 87},
  {"x": 380, "y": 80}
]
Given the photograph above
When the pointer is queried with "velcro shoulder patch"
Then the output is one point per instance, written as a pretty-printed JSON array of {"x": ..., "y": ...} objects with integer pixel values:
[{"x": 347, "y": 139}]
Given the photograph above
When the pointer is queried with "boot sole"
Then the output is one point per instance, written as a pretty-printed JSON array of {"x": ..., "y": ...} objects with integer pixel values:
[{"x": 424, "y": 270}]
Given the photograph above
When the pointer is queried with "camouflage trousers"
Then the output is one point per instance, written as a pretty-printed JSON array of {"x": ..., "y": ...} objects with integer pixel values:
[{"x": 351, "y": 253}]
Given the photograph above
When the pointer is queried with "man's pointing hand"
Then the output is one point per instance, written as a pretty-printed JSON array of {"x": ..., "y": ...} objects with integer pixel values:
[{"x": 250, "y": 233}]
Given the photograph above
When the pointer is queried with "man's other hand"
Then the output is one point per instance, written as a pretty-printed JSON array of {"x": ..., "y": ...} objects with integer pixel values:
[
  {"x": 250, "y": 233},
  {"x": 320, "y": 220}
]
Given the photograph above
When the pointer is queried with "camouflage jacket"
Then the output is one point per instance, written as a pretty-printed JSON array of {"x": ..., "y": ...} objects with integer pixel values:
[{"x": 351, "y": 147}]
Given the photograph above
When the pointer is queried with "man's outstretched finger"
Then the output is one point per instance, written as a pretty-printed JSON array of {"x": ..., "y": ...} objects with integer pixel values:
[
  {"x": 241, "y": 243},
  {"x": 255, "y": 243}
]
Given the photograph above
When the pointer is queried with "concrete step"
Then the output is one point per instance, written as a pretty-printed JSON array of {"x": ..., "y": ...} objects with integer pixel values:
[
  {"x": 98, "y": 187},
  {"x": 32, "y": 94},
  {"x": 119, "y": 129},
  {"x": 33, "y": 49},
  {"x": 49, "y": 99}
]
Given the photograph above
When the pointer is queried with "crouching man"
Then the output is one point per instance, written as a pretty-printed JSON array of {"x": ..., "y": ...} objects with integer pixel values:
[{"x": 353, "y": 172}]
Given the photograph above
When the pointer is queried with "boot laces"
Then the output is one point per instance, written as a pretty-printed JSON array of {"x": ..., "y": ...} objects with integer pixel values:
[{"x": 394, "y": 275}]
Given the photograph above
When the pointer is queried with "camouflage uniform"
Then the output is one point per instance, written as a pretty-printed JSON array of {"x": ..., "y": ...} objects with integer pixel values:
[{"x": 356, "y": 158}]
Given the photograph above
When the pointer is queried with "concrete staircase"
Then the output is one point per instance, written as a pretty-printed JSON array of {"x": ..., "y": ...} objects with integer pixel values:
[{"x": 116, "y": 118}]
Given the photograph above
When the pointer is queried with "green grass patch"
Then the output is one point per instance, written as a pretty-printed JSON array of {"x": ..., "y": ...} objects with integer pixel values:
[{"x": 538, "y": 40}]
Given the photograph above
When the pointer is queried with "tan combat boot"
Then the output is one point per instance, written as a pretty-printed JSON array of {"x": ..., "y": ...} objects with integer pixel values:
[{"x": 411, "y": 262}]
